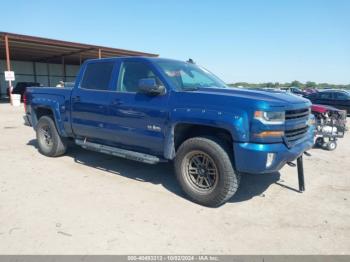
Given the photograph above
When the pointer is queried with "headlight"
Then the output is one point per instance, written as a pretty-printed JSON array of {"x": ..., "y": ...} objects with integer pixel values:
[{"x": 270, "y": 118}]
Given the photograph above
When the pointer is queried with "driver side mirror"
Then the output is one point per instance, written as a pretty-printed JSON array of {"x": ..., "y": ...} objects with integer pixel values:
[{"x": 149, "y": 86}]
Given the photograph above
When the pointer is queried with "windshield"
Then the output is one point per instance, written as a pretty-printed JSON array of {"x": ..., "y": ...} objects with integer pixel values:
[{"x": 187, "y": 76}]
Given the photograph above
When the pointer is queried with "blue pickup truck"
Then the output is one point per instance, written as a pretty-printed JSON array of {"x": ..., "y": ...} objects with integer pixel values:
[{"x": 154, "y": 109}]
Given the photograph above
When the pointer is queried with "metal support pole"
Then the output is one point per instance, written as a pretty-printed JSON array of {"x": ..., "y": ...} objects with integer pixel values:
[
  {"x": 34, "y": 72},
  {"x": 8, "y": 62},
  {"x": 99, "y": 53},
  {"x": 63, "y": 69},
  {"x": 301, "y": 173},
  {"x": 48, "y": 74}
]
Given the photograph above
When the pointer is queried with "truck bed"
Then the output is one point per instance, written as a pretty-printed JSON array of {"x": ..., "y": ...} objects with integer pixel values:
[
  {"x": 55, "y": 98},
  {"x": 49, "y": 90}
]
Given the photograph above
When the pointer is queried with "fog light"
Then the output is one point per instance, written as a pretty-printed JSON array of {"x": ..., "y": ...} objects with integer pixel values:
[{"x": 269, "y": 159}]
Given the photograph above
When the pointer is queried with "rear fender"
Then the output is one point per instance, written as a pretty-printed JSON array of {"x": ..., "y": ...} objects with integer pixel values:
[{"x": 54, "y": 107}]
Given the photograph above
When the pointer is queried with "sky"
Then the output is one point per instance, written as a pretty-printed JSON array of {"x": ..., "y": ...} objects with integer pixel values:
[{"x": 238, "y": 40}]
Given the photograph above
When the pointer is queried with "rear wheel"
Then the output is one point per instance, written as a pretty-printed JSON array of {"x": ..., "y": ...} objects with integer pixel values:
[
  {"x": 204, "y": 170},
  {"x": 49, "y": 141}
]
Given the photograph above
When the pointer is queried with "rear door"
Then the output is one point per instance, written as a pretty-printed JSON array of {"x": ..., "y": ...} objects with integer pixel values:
[
  {"x": 138, "y": 120},
  {"x": 342, "y": 101},
  {"x": 324, "y": 98},
  {"x": 90, "y": 100}
]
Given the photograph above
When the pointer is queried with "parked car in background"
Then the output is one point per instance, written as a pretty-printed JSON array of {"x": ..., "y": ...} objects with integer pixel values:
[
  {"x": 337, "y": 98},
  {"x": 310, "y": 91},
  {"x": 267, "y": 89},
  {"x": 21, "y": 87},
  {"x": 297, "y": 91}
]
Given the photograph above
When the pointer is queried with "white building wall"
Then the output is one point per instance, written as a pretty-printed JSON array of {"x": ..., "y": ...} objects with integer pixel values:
[{"x": 24, "y": 72}]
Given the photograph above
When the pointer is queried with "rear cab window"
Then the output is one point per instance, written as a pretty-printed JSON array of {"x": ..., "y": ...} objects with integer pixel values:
[{"x": 97, "y": 76}]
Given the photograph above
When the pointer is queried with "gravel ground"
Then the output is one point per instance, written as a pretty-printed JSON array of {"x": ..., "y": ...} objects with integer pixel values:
[{"x": 89, "y": 203}]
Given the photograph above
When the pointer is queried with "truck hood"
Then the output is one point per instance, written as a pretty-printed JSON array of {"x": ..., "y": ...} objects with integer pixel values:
[
  {"x": 228, "y": 98},
  {"x": 274, "y": 97}
]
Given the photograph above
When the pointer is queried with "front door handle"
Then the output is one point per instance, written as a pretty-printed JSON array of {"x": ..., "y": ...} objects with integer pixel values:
[{"x": 76, "y": 98}]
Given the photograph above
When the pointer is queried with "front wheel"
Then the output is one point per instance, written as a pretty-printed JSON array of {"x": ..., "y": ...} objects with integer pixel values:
[
  {"x": 49, "y": 141},
  {"x": 204, "y": 170}
]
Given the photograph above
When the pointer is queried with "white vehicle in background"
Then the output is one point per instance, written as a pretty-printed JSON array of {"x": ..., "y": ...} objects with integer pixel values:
[{"x": 295, "y": 91}]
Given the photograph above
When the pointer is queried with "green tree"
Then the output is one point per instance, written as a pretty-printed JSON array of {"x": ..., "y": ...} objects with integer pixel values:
[
  {"x": 269, "y": 84},
  {"x": 296, "y": 83},
  {"x": 310, "y": 84}
]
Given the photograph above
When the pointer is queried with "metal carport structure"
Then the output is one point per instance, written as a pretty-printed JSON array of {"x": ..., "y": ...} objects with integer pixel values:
[{"x": 39, "y": 51}]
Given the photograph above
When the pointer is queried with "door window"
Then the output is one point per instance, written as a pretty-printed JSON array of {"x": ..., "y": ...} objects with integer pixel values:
[
  {"x": 325, "y": 96},
  {"x": 97, "y": 76},
  {"x": 131, "y": 73},
  {"x": 342, "y": 96}
]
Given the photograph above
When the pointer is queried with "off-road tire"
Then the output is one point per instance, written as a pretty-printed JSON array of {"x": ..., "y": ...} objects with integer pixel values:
[
  {"x": 53, "y": 146},
  {"x": 227, "y": 181}
]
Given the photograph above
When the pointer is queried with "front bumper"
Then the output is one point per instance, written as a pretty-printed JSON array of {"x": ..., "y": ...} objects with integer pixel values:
[{"x": 251, "y": 157}]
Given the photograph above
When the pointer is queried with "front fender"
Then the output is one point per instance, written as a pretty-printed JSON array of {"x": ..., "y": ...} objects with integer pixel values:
[{"x": 236, "y": 123}]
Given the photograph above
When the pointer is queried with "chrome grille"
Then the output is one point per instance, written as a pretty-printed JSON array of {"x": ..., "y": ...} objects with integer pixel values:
[
  {"x": 298, "y": 113},
  {"x": 294, "y": 134}
]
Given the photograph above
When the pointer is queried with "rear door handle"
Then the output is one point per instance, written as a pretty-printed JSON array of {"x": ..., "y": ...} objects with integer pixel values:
[{"x": 117, "y": 102}]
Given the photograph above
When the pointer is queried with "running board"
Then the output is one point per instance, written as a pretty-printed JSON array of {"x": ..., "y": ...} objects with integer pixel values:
[{"x": 145, "y": 158}]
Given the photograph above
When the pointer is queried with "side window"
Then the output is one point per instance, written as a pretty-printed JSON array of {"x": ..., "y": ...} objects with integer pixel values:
[
  {"x": 325, "y": 95},
  {"x": 342, "y": 96},
  {"x": 97, "y": 76},
  {"x": 312, "y": 96},
  {"x": 130, "y": 75}
]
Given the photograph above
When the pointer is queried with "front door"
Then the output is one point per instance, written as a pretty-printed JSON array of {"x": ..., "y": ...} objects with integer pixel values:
[{"x": 138, "y": 119}]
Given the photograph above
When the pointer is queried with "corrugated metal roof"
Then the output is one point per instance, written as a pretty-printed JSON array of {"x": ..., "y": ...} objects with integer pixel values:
[{"x": 39, "y": 49}]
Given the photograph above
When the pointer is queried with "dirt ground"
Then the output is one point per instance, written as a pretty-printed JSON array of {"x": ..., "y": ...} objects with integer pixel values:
[{"x": 90, "y": 203}]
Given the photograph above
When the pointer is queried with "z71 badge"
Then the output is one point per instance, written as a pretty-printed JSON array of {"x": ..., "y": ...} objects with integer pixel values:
[{"x": 154, "y": 128}]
